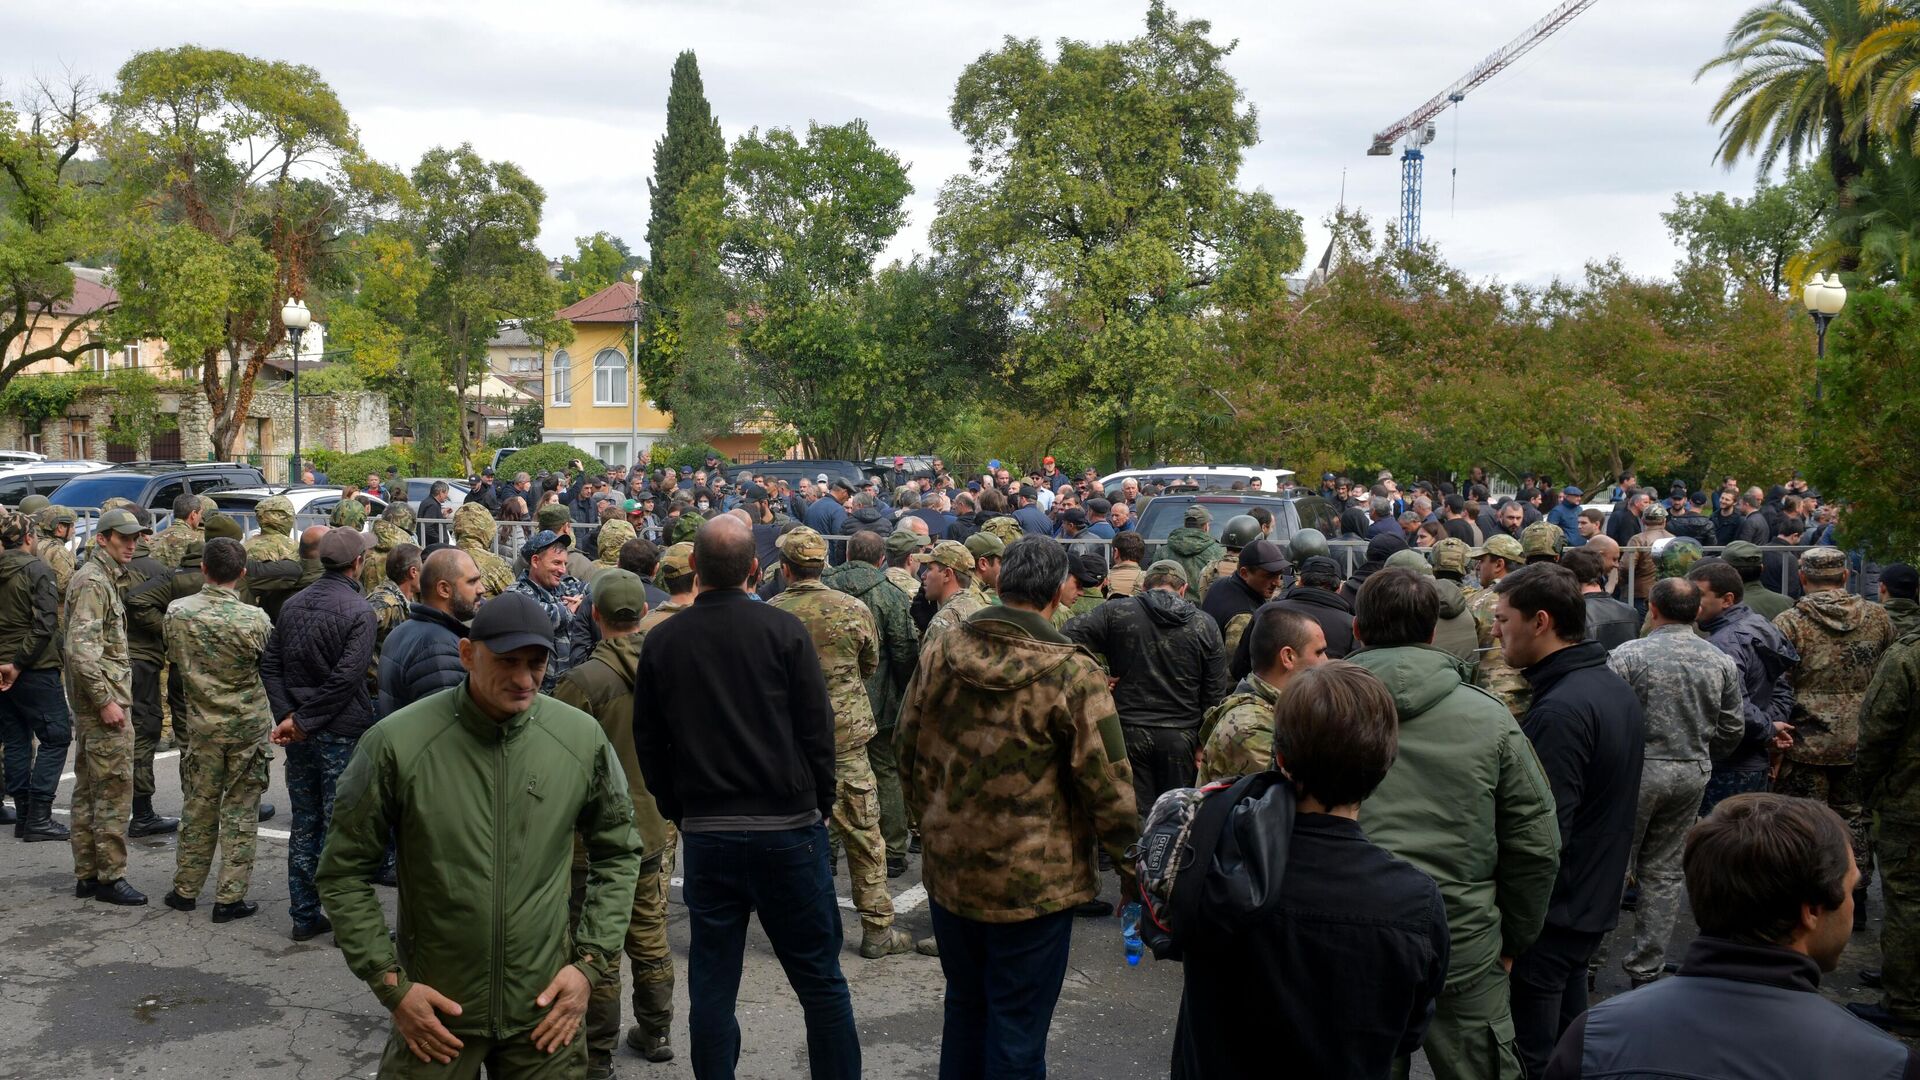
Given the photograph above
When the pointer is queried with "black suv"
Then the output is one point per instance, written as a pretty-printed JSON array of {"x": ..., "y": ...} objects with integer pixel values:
[{"x": 154, "y": 484}]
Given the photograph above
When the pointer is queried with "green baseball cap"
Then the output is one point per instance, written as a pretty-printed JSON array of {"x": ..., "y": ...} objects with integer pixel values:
[
  {"x": 619, "y": 594},
  {"x": 116, "y": 521},
  {"x": 1742, "y": 555},
  {"x": 218, "y": 524},
  {"x": 1170, "y": 568},
  {"x": 552, "y": 516},
  {"x": 905, "y": 542},
  {"x": 1409, "y": 559},
  {"x": 985, "y": 545}
]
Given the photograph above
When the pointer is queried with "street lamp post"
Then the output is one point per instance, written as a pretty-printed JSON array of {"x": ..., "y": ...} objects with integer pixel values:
[
  {"x": 1824, "y": 296},
  {"x": 296, "y": 317},
  {"x": 633, "y": 446}
]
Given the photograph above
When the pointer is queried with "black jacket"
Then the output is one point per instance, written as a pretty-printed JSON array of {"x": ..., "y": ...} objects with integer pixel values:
[
  {"x": 1586, "y": 725},
  {"x": 1281, "y": 999},
  {"x": 1329, "y": 609},
  {"x": 1764, "y": 658},
  {"x": 29, "y": 612},
  {"x": 1168, "y": 657},
  {"x": 1754, "y": 529},
  {"x": 421, "y": 657},
  {"x": 1230, "y": 597},
  {"x": 1611, "y": 622},
  {"x": 1622, "y": 525},
  {"x": 315, "y": 666},
  {"x": 713, "y": 745},
  {"x": 1677, "y": 1028}
]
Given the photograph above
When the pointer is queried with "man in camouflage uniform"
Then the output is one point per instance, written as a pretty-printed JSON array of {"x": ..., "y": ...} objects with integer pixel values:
[
  {"x": 559, "y": 595},
  {"x": 473, "y": 533},
  {"x": 948, "y": 584},
  {"x": 1011, "y": 753},
  {"x": 1236, "y": 738},
  {"x": 1502, "y": 554},
  {"x": 1690, "y": 694},
  {"x": 1537, "y": 545},
  {"x": 847, "y": 643},
  {"x": 399, "y": 587},
  {"x": 860, "y": 577},
  {"x": 1840, "y": 638},
  {"x": 1006, "y": 528},
  {"x": 52, "y": 526},
  {"x": 392, "y": 528},
  {"x": 1240, "y": 530},
  {"x": 1887, "y": 774},
  {"x": 613, "y": 535},
  {"x": 900, "y": 547},
  {"x": 1750, "y": 561},
  {"x": 986, "y": 549},
  {"x": 275, "y": 539},
  {"x": 350, "y": 513},
  {"x": 215, "y": 638},
  {"x": 99, "y": 685},
  {"x": 603, "y": 688},
  {"x": 169, "y": 548},
  {"x": 675, "y": 576}
]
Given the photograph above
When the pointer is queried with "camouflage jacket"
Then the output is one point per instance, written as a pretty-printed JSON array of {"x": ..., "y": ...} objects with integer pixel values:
[
  {"x": 1494, "y": 674},
  {"x": 387, "y": 535},
  {"x": 1905, "y": 615},
  {"x": 571, "y": 639},
  {"x": 1689, "y": 692},
  {"x": 1225, "y": 566},
  {"x": 952, "y": 614},
  {"x": 1124, "y": 580},
  {"x": 99, "y": 669},
  {"x": 389, "y": 611},
  {"x": 1012, "y": 757},
  {"x": 275, "y": 539},
  {"x": 848, "y": 645},
  {"x": 1840, "y": 638},
  {"x": 1888, "y": 766},
  {"x": 603, "y": 689},
  {"x": 214, "y": 639},
  {"x": 1236, "y": 738},
  {"x": 53, "y": 551},
  {"x": 349, "y": 514},
  {"x": 657, "y": 616},
  {"x": 170, "y": 547},
  {"x": 903, "y": 579},
  {"x": 147, "y": 601},
  {"x": 898, "y": 644},
  {"x": 1085, "y": 602},
  {"x": 473, "y": 533}
]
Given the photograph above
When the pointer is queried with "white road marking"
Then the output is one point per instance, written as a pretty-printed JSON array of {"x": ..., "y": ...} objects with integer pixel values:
[
  {"x": 272, "y": 834},
  {"x": 157, "y": 757}
]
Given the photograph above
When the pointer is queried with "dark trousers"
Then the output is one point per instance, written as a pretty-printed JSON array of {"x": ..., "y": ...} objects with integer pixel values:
[
  {"x": 35, "y": 708},
  {"x": 147, "y": 721},
  {"x": 314, "y": 765},
  {"x": 1549, "y": 988},
  {"x": 782, "y": 876},
  {"x": 1162, "y": 759},
  {"x": 1727, "y": 782},
  {"x": 1003, "y": 980}
]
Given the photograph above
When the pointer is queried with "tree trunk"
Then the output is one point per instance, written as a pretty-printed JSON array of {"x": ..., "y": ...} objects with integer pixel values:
[{"x": 1122, "y": 442}]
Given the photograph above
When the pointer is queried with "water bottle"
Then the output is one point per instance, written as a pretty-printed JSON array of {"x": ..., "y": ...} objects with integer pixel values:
[{"x": 1130, "y": 933}]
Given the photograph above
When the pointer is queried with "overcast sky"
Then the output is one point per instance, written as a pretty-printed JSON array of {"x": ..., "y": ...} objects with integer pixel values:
[{"x": 1567, "y": 157}]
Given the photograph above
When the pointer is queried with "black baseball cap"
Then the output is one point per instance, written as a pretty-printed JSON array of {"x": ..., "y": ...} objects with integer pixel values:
[
  {"x": 512, "y": 621},
  {"x": 1263, "y": 555},
  {"x": 1087, "y": 569},
  {"x": 1899, "y": 578}
]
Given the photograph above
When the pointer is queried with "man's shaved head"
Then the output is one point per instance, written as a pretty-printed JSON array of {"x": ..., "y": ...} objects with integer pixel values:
[
  {"x": 310, "y": 541},
  {"x": 723, "y": 553}
]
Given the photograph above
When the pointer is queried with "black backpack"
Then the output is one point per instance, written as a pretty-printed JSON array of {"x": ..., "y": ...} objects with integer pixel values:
[{"x": 1211, "y": 860}]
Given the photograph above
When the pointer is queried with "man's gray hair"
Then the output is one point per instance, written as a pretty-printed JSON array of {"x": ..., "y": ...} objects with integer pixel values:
[
  {"x": 862, "y": 500},
  {"x": 906, "y": 497}
]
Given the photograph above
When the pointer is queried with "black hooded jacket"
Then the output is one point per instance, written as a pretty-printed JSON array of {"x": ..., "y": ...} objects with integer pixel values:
[
  {"x": 1379, "y": 550},
  {"x": 1166, "y": 654},
  {"x": 1330, "y": 609}
]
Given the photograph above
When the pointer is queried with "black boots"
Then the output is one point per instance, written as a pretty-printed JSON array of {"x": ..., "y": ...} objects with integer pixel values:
[
  {"x": 239, "y": 909},
  {"x": 119, "y": 892},
  {"x": 36, "y": 824},
  {"x": 147, "y": 823}
]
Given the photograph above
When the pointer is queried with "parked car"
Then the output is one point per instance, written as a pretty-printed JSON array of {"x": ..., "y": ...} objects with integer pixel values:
[
  {"x": 1200, "y": 477},
  {"x": 10, "y": 456},
  {"x": 793, "y": 471},
  {"x": 418, "y": 486},
  {"x": 308, "y": 502},
  {"x": 21, "y": 479},
  {"x": 154, "y": 484},
  {"x": 1165, "y": 513}
]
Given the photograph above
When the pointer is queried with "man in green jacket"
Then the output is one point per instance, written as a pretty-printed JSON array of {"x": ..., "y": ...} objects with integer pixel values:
[
  {"x": 1467, "y": 802},
  {"x": 603, "y": 688},
  {"x": 862, "y": 578},
  {"x": 482, "y": 788}
]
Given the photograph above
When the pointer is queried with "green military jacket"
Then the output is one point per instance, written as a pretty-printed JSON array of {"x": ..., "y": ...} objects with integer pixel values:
[
  {"x": 1492, "y": 673},
  {"x": 484, "y": 814},
  {"x": 1840, "y": 638},
  {"x": 29, "y": 612},
  {"x": 602, "y": 687},
  {"x": 1236, "y": 737},
  {"x": 848, "y": 644},
  {"x": 1195, "y": 549},
  {"x": 99, "y": 669},
  {"x": 952, "y": 613},
  {"x": 147, "y": 601},
  {"x": 1887, "y": 766},
  {"x": 387, "y": 535},
  {"x": 214, "y": 639},
  {"x": 1085, "y": 602},
  {"x": 1769, "y": 604},
  {"x": 899, "y": 644},
  {"x": 1905, "y": 615},
  {"x": 170, "y": 547}
]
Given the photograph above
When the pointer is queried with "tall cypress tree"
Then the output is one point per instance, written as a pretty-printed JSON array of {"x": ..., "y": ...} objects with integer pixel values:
[{"x": 691, "y": 145}]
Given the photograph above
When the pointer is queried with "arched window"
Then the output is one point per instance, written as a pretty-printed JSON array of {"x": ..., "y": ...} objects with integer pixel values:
[
  {"x": 562, "y": 378},
  {"x": 610, "y": 378}
]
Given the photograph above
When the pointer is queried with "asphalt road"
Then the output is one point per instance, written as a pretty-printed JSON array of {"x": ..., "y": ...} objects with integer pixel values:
[{"x": 93, "y": 991}]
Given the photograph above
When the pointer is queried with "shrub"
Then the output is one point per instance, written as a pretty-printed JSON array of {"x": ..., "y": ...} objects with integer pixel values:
[
  {"x": 549, "y": 457},
  {"x": 692, "y": 455},
  {"x": 341, "y": 468}
]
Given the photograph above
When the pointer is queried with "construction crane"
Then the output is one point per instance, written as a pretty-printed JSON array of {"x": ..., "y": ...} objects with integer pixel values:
[{"x": 1416, "y": 129}]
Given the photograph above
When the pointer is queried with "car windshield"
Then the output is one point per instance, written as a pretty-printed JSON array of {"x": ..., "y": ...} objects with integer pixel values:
[
  {"x": 85, "y": 491},
  {"x": 1165, "y": 515}
]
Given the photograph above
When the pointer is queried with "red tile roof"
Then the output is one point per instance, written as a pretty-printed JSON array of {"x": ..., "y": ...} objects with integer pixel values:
[
  {"x": 88, "y": 297},
  {"x": 613, "y": 304}
]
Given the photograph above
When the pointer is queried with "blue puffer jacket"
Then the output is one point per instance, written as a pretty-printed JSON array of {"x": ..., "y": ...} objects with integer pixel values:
[
  {"x": 1764, "y": 656},
  {"x": 315, "y": 666},
  {"x": 421, "y": 658}
]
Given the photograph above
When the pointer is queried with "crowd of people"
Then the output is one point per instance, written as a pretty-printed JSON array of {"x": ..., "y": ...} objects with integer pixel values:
[{"x": 1497, "y": 728}]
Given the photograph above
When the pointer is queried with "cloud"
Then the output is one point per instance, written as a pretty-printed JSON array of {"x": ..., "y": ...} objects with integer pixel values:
[{"x": 1567, "y": 157}]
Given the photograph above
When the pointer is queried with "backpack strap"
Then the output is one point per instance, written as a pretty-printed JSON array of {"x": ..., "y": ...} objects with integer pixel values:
[{"x": 1204, "y": 838}]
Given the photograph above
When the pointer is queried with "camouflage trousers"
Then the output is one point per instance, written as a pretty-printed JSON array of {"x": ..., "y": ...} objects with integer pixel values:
[
  {"x": 102, "y": 797},
  {"x": 1670, "y": 794},
  {"x": 856, "y": 820},
  {"x": 1835, "y": 786},
  {"x": 893, "y": 804},
  {"x": 647, "y": 954},
  {"x": 314, "y": 765},
  {"x": 221, "y": 805},
  {"x": 1897, "y": 843}
]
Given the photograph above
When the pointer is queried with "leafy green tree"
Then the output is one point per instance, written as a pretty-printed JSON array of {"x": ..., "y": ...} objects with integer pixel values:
[
  {"x": 1863, "y": 452},
  {"x": 691, "y": 147},
  {"x": 48, "y": 219},
  {"x": 597, "y": 262},
  {"x": 708, "y": 384},
  {"x": 1880, "y": 224},
  {"x": 1757, "y": 237},
  {"x": 1102, "y": 199},
  {"x": 241, "y": 181}
]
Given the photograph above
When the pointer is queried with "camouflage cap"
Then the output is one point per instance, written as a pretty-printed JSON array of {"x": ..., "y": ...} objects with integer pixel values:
[
  {"x": 552, "y": 516},
  {"x": 1006, "y": 528},
  {"x": 1502, "y": 546},
  {"x": 33, "y": 504},
  {"x": 802, "y": 546},
  {"x": 51, "y": 516},
  {"x": 219, "y": 524},
  {"x": 948, "y": 553},
  {"x": 1676, "y": 557},
  {"x": 985, "y": 545},
  {"x": 1170, "y": 568},
  {"x": 14, "y": 530},
  {"x": 619, "y": 594},
  {"x": 677, "y": 561},
  {"x": 1823, "y": 560},
  {"x": 1654, "y": 512},
  {"x": 1409, "y": 559},
  {"x": 1742, "y": 555},
  {"x": 114, "y": 521},
  {"x": 1452, "y": 555},
  {"x": 904, "y": 542},
  {"x": 1197, "y": 516},
  {"x": 1542, "y": 538},
  {"x": 114, "y": 503},
  {"x": 207, "y": 505}
]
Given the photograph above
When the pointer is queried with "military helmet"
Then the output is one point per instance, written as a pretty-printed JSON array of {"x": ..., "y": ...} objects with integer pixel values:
[
  {"x": 1006, "y": 528},
  {"x": 1240, "y": 531},
  {"x": 1542, "y": 538},
  {"x": 33, "y": 504},
  {"x": 1306, "y": 544},
  {"x": 1677, "y": 556}
]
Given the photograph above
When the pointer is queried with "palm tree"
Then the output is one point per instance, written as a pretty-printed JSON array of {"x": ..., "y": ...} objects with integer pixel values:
[
  {"x": 1886, "y": 64},
  {"x": 1789, "y": 95},
  {"x": 1879, "y": 226}
]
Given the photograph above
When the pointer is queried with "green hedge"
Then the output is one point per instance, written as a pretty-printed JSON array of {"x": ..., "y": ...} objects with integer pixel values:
[
  {"x": 341, "y": 468},
  {"x": 549, "y": 457},
  {"x": 692, "y": 455}
]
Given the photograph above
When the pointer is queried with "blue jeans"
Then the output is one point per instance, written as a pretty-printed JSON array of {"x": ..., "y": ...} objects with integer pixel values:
[
  {"x": 1003, "y": 980},
  {"x": 784, "y": 877},
  {"x": 35, "y": 708},
  {"x": 314, "y": 765}
]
